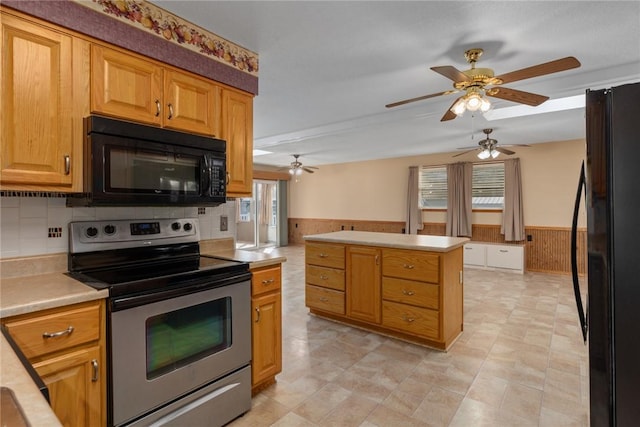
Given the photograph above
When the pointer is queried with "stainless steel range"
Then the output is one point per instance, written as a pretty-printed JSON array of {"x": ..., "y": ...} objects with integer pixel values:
[{"x": 179, "y": 331}]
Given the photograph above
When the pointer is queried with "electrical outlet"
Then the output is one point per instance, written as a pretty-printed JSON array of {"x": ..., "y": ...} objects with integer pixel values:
[{"x": 224, "y": 223}]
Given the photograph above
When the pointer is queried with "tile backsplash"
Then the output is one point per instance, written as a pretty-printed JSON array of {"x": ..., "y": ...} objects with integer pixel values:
[{"x": 39, "y": 225}]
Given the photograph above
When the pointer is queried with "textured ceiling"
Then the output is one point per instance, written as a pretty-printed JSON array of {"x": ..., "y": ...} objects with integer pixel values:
[{"x": 328, "y": 68}]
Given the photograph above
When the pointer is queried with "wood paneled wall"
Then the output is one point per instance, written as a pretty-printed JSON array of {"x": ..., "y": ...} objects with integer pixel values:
[{"x": 548, "y": 250}]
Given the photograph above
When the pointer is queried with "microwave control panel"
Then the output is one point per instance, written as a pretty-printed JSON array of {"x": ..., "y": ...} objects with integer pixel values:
[{"x": 218, "y": 177}]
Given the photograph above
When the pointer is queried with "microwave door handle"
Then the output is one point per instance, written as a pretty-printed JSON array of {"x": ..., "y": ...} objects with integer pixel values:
[{"x": 207, "y": 176}]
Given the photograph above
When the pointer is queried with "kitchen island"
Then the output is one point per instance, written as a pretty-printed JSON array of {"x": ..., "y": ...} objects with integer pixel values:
[{"x": 405, "y": 286}]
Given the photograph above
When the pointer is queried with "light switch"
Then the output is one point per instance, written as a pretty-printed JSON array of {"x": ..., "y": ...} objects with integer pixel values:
[{"x": 224, "y": 224}]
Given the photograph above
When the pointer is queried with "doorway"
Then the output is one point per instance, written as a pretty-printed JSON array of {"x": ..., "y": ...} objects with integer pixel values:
[{"x": 257, "y": 217}]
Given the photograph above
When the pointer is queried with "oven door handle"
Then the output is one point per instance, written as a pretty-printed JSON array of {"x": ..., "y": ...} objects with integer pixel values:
[
  {"x": 206, "y": 171},
  {"x": 119, "y": 303}
]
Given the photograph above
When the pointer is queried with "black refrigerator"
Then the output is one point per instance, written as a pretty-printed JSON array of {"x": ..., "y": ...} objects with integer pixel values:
[{"x": 613, "y": 243}]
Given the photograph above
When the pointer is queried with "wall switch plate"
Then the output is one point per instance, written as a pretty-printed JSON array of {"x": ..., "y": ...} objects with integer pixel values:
[{"x": 224, "y": 223}]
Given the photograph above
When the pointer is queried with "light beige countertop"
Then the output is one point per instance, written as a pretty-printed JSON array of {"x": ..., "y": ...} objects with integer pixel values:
[
  {"x": 391, "y": 240},
  {"x": 20, "y": 295},
  {"x": 254, "y": 258}
]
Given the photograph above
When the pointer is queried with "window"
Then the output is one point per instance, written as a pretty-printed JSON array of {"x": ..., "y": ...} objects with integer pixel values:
[{"x": 487, "y": 186}]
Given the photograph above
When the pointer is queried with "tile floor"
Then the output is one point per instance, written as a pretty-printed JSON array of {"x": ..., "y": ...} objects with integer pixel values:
[{"x": 519, "y": 362}]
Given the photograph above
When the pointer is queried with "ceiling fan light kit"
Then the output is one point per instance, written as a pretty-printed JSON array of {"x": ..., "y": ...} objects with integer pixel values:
[
  {"x": 296, "y": 167},
  {"x": 480, "y": 83}
]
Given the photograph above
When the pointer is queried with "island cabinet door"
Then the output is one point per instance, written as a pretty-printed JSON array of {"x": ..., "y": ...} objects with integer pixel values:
[{"x": 363, "y": 292}]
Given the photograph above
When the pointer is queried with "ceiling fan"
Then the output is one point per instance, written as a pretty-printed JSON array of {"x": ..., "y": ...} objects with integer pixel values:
[
  {"x": 478, "y": 83},
  {"x": 296, "y": 166},
  {"x": 488, "y": 147}
]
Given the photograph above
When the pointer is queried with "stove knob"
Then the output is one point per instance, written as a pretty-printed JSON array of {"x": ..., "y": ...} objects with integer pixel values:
[
  {"x": 91, "y": 232},
  {"x": 109, "y": 229},
  {"x": 188, "y": 226},
  {"x": 176, "y": 226}
]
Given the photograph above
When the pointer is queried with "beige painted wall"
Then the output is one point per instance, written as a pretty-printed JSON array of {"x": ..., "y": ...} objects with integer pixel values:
[{"x": 376, "y": 190}]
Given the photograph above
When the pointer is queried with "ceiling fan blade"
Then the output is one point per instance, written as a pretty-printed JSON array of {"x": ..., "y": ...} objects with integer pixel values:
[
  {"x": 452, "y": 73},
  {"x": 450, "y": 115},
  {"x": 307, "y": 169},
  {"x": 540, "y": 70},
  {"x": 515, "y": 145},
  {"x": 419, "y": 98},
  {"x": 519, "y": 96},
  {"x": 504, "y": 151},
  {"x": 465, "y": 152}
]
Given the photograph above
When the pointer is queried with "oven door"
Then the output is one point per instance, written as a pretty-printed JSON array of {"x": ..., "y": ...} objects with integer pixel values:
[{"x": 165, "y": 350}]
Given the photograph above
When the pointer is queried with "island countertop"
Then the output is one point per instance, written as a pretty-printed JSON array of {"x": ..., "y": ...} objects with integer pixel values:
[{"x": 391, "y": 240}]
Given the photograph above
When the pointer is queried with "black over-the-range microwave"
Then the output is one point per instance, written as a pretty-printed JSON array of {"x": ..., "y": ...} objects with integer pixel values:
[{"x": 129, "y": 164}]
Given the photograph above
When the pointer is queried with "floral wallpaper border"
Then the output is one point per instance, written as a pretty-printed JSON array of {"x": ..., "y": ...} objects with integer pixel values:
[{"x": 148, "y": 17}]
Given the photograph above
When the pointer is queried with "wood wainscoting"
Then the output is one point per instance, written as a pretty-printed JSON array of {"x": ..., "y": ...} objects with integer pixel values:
[{"x": 548, "y": 251}]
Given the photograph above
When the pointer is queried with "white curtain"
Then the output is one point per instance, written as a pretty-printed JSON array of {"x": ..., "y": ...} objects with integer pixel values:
[
  {"x": 459, "y": 186},
  {"x": 512, "y": 216},
  {"x": 414, "y": 213},
  {"x": 265, "y": 207}
]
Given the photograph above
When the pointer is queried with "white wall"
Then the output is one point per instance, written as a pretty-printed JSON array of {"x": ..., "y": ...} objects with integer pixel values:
[
  {"x": 377, "y": 190},
  {"x": 25, "y": 222}
]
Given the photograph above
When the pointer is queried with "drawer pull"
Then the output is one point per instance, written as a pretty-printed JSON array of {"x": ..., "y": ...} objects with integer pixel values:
[
  {"x": 407, "y": 319},
  {"x": 323, "y": 277},
  {"x": 324, "y": 299},
  {"x": 267, "y": 281},
  {"x": 406, "y": 292},
  {"x": 94, "y": 365},
  {"x": 258, "y": 314},
  {"x": 408, "y": 266},
  {"x": 504, "y": 251},
  {"x": 58, "y": 334},
  {"x": 321, "y": 255}
]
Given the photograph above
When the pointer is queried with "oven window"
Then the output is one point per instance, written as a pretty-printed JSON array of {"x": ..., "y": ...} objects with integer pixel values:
[
  {"x": 134, "y": 170},
  {"x": 180, "y": 337}
]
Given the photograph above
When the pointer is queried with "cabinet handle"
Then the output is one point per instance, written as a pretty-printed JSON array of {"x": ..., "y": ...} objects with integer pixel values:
[
  {"x": 258, "y": 314},
  {"x": 504, "y": 250},
  {"x": 267, "y": 281},
  {"x": 407, "y": 319},
  {"x": 461, "y": 281},
  {"x": 408, "y": 266},
  {"x": 58, "y": 334},
  {"x": 324, "y": 299},
  {"x": 67, "y": 164},
  {"x": 321, "y": 255},
  {"x": 228, "y": 178},
  {"x": 323, "y": 277},
  {"x": 157, "y": 108},
  {"x": 377, "y": 259},
  {"x": 94, "y": 365},
  {"x": 406, "y": 292},
  {"x": 170, "y": 111}
]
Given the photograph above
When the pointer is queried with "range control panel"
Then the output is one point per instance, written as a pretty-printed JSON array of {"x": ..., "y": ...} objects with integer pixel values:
[{"x": 89, "y": 236}]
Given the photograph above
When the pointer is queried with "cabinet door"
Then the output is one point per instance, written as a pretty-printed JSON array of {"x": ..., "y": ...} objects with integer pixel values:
[
  {"x": 191, "y": 104},
  {"x": 38, "y": 142},
  {"x": 125, "y": 86},
  {"x": 266, "y": 337},
  {"x": 75, "y": 384},
  {"x": 237, "y": 130},
  {"x": 363, "y": 283}
]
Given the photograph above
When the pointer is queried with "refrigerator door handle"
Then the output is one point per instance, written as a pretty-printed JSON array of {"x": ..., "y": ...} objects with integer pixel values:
[{"x": 574, "y": 261}]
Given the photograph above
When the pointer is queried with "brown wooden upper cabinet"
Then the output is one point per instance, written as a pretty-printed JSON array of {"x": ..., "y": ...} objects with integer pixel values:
[
  {"x": 132, "y": 87},
  {"x": 44, "y": 80},
  {"x": 237, "y": 130}
]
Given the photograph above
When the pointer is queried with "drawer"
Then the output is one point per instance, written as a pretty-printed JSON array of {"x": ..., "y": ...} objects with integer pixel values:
[
  {"x": 324, "y": 299},
  {"x": 474, "y": 254},
  {"x": 326, "y": 277},
  {"x": 411, "y": 320},
  {"x": 505, "y": 256},
  {"x": 411, "y": 265},
  {"x": 411, "y": 292},
  {"x": 265, "y": 280},
  {"x": 324, "y": 255},
  {"x": 55, "y": 330}
]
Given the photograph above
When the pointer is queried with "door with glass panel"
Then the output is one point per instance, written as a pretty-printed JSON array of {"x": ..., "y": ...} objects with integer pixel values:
[{"x": 257, "y": 217}]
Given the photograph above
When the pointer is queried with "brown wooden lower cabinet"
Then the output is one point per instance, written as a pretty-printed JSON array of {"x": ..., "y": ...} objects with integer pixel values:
[
  {"x": 266, "y": 326},
  {"x": 411, "y": 294},
  {"x": 66, "y": 347}
]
